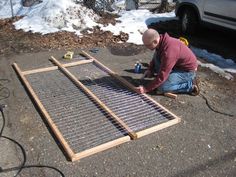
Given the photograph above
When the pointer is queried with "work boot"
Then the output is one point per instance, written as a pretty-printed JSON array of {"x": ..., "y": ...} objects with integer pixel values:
[{"x": 196, "y": 89}]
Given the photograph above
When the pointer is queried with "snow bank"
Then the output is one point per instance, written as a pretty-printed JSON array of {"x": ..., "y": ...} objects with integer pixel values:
[
  {"x": 134, "y": 22},
  {"x": 54, "y": 15},
  {"x": 218, "y": 64},
  {"x": 217, "y": 70},
  {"x": 227, "y": 65}
]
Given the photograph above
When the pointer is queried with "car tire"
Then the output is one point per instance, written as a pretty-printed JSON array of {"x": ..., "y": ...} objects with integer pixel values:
[{"x": 189, "y": 21}]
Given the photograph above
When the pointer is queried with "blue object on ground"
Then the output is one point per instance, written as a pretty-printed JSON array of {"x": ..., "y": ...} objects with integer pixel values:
[
  {"x": 137, "y": 68},
  {"x": 94, "y": 50}
]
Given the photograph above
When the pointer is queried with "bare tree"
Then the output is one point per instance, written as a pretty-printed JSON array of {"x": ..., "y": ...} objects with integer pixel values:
[
  {"x": 99, "y": 5},
  {"x": 28, "y": 3},
  {"x": 164, "y": 6},
  {"x": 89, "y": 3},
  {"x": 131, "y": 4}
]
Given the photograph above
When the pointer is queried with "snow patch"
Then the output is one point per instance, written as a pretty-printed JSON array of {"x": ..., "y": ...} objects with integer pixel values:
[
  {"x": 56, "y": 15},
  {"x": 134, "y": 22},
  {"x": 218, "y": 64},
  {"x": 227, "y": 65},
  {"x": 217, "y": 70}
]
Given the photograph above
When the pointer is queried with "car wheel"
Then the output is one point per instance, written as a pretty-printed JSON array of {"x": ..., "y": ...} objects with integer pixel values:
[{"x": 189, "y": 22}]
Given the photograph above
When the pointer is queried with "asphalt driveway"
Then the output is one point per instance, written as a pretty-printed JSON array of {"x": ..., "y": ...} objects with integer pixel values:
[{"x": 203, "y": 144}]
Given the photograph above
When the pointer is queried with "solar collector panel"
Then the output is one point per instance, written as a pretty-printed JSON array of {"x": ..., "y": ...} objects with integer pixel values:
[
  {"x": 71, "y": 109},
  {"x": 95, "y": 112},
  {"x": 136, "y": 111}
]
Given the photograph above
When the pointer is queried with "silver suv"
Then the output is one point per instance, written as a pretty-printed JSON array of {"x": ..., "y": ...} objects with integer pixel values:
[{"x": 217, "y": 12}]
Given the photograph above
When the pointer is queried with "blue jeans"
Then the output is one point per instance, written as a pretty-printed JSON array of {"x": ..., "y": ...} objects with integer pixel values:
[{"x": 177, "y": 82}]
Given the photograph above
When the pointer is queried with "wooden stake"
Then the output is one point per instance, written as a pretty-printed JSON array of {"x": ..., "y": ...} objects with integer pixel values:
[{"x": 171, "y": 95}]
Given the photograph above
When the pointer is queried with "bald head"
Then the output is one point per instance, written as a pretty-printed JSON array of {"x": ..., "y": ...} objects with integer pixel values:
[{"x": 151, "y": 38}]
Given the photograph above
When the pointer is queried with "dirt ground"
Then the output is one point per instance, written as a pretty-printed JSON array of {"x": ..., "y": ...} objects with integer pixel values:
[
  {"x": 203, "y": 144},
  {"x": 14, "y": 41}
]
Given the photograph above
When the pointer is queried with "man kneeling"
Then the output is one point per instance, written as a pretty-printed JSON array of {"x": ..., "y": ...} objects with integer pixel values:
[{"x": 174, "y": 65}]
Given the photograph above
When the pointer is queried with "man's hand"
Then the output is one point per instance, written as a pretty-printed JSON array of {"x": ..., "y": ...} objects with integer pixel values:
[{"x": 141, "y": 89}]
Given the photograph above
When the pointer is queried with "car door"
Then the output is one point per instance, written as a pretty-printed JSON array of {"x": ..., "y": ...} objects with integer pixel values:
[{"x": 220, "y": 12}]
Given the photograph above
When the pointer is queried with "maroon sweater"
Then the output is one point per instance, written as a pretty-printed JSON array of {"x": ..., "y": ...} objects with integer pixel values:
[{"x": 173, "y": 54}]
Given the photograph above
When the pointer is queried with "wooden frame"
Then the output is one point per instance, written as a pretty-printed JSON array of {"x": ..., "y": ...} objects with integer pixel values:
[
  {"x": 129, "y": 85},
  {"x": 94, "y": 97},
  {"x": 70, "y": 153},
  {"x": 132, "y": 135},
  {"x": 54, "y": 128}
]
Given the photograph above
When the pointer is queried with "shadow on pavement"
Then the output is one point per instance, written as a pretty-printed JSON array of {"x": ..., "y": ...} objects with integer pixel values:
[{"x": 202, "y": 167}]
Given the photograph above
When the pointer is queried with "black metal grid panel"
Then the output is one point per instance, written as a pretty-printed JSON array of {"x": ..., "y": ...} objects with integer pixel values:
[
  {"x": 81, "y": 122},
  {"x": 137, "y": 111}
]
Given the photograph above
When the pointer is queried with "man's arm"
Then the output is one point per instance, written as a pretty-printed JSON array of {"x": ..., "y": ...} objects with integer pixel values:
[
  {"x": 167, "y": 64},
  {"x": 160, "y": 78},
  {"x": 150, "y": 71},
  {"x": 151, "y": 66}
]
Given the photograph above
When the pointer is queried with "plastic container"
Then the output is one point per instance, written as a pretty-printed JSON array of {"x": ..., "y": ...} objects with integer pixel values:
[{"x": 137, "y": 67}]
